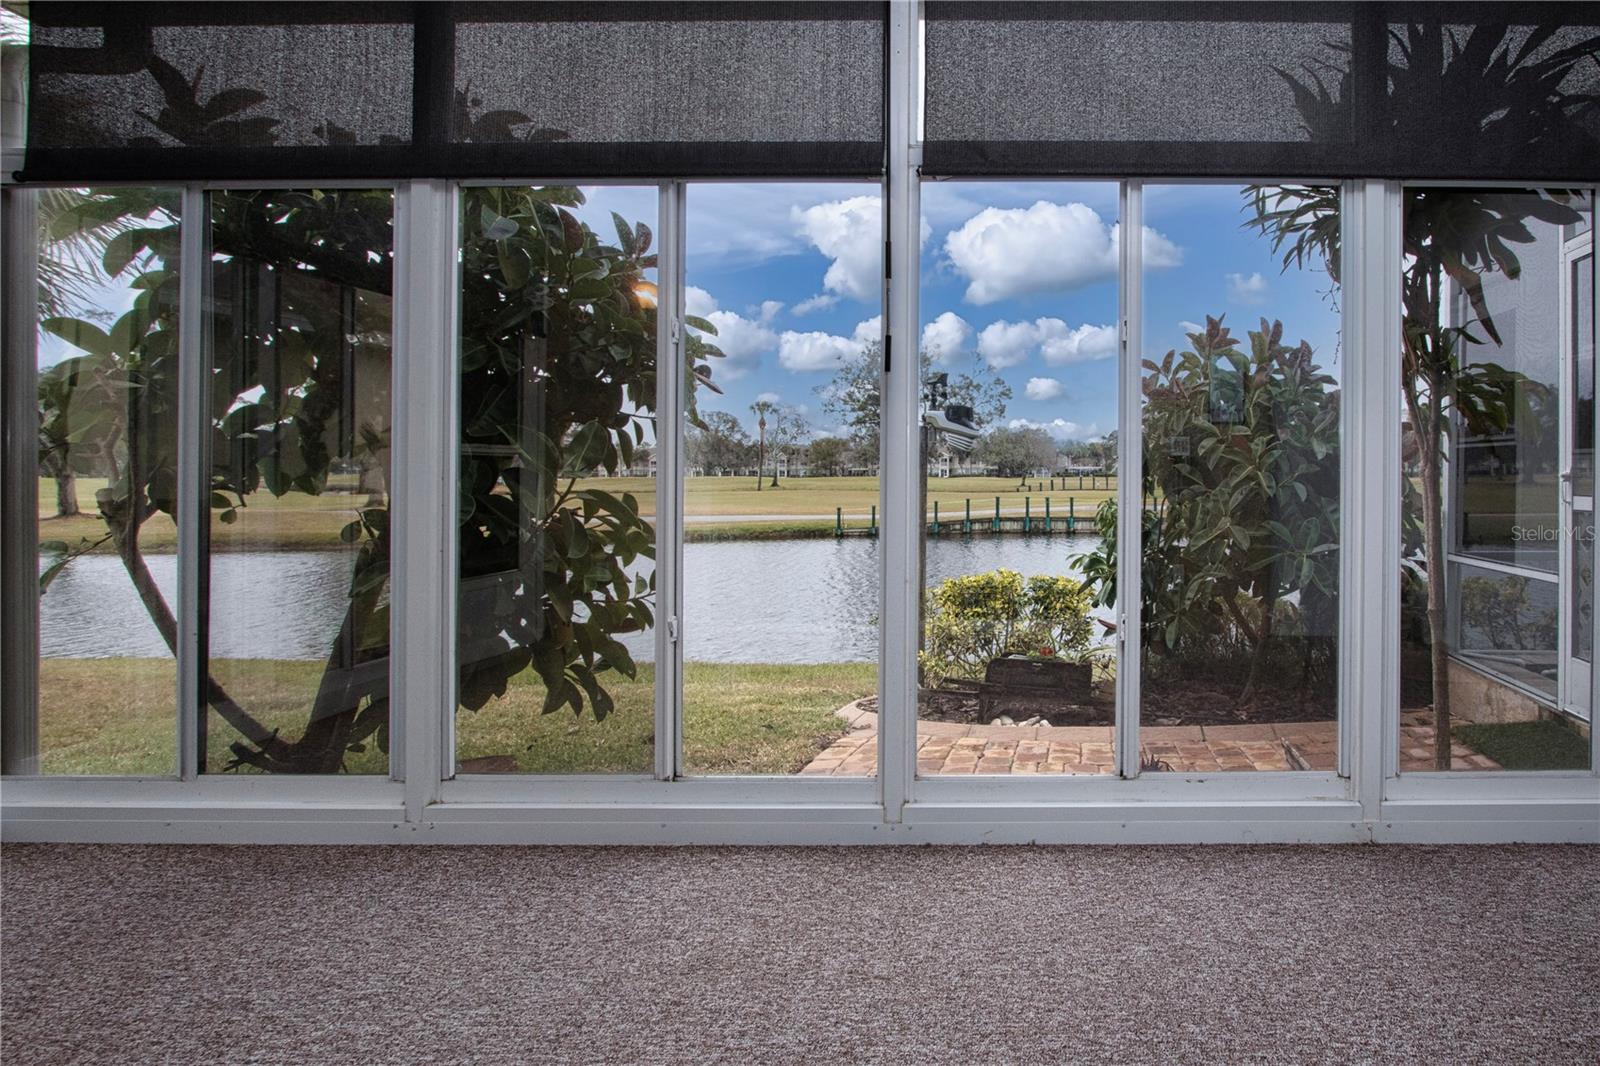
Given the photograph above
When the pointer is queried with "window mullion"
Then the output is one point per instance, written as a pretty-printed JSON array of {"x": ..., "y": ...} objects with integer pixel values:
[
  {"x": 1130, "y": 498},
  {"x": 422, "y": 670},
  {"x": 193, "y": 506},
  {"x": 671, "y": 383}
]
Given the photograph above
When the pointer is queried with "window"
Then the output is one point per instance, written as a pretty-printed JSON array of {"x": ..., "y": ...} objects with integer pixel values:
[
  {"x": 780, "y": 490},
  {"x": 107, "y": 385},
  {"x": 556, "y": 496},
  {"x": 297, "y": 559},
  {"x": 1497, "y": 534},
  {"x": 1019, "y": 415},
  {"x": 1240, "y": 558}
]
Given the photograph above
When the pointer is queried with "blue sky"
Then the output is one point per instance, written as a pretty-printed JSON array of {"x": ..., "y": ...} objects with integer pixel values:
[{"x": 1018, "y": 278}]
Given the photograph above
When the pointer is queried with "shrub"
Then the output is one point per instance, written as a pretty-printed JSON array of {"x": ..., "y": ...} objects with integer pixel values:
[{"x": 973, "y": 619}]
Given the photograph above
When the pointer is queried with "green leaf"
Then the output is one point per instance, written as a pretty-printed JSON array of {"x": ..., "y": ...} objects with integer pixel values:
[{"x": 84, "y": 335}]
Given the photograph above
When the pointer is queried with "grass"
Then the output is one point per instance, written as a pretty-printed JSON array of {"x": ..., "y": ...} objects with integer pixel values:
[
  {"x": 1541, "y": 745},
  {"x": 298, "y": 522},
  {"x": 115, "y": 716},
  {"x": 292, "y": 522}
]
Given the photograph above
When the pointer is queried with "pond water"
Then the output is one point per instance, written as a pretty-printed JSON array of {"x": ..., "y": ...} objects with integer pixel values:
[{"x": 791, "y": 601}]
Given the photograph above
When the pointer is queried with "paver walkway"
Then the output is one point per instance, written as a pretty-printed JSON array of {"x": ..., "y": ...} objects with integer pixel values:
[{"x": 954, "y": 748}]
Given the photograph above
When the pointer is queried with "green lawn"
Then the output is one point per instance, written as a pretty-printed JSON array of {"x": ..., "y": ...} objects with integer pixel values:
[
  {"x": 1542, "y": 745},
  {"x": 298, "y": 522},
  {"x": 115, "y": 716}
]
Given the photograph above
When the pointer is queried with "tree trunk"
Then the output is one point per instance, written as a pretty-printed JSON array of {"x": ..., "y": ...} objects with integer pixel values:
[
  {"x": 1438, "y": 642},
  {"x": 66, "y": 493},
  {"x": 155, "y": 606},
  {"x": 1263, "y": 641}
]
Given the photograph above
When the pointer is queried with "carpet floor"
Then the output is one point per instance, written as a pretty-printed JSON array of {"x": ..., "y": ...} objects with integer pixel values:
[{"x": 915, "y": 955}]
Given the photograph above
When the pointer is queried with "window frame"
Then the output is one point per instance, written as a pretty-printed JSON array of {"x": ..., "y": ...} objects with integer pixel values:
[{"x": 421, "y": 801}]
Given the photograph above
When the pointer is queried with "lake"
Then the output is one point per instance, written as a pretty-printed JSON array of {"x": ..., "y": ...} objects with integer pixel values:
[{"x": 791, "y": 601}]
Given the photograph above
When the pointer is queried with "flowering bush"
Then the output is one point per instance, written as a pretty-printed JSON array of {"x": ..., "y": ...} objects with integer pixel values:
[{"x": 972, "y": 620}]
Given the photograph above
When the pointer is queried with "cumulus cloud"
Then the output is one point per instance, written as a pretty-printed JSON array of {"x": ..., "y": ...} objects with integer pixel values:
[
  {"x": 1004, "y": 344},
  {"x": 1008, "y": 252},
  {"x": 1059, "y": 428},
  {"x": 698, "y": 302},
  {"x": 849, "y": 232},
  {"x": 813, "y": 351},
  {"x": 1190, "y": 327},
  {"x": 742, "y": 340},
  {"x": 1247, "y": 290},
  {"x": 946, "y": 338},
  {"x": 768, "y": 311},
  {"x": 1043, "y": 389},
  {"x": 769, "y": 397},
  {"x": 820, "y": 302}
]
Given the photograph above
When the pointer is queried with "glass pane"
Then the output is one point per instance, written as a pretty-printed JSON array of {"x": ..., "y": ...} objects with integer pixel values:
[
  {"x": 1582, "y": 376},
  {"x": 1482, "y": 389},
  {"x": 556, "y": 603},
  {"x": 1019, "y": 416},
  {"x": 780, "y": 584},
  {"x": 107, "y": 392},
  {"x": 1240, "y": 640},
  {"x": 298, "y": 562},
  {"x": 1581, "y": 645}
]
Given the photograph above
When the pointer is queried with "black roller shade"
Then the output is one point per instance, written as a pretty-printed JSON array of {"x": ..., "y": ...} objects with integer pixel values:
[
  {"x": 1402, "y": 90},
  {"x": 247, "y": 91}
]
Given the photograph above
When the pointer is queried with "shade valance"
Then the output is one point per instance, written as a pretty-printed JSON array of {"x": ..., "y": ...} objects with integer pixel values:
[
  {"x": 1460, "y": 90},
  {"x": 349, "y": 90}
]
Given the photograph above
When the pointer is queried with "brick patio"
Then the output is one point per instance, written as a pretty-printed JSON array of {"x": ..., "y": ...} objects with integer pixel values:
[{"x": 954, "y": 748}]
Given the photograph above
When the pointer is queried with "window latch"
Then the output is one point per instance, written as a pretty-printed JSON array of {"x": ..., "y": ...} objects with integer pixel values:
[{"x": 672, "y": 629}]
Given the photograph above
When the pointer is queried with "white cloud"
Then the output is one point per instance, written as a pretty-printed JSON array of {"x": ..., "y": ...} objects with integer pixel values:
[
  {"x": 803, "y": 352},
  {"x": 1007, "y": 252},
  {"x": 1043, "y": 389},
  {"x": 820, "y": 302},
  {"x": 768, "y": 311},
  {"x": 698, "y": 302},
  {"x": 742, "y": 340},
  {"x": 1004, "y": 344},
  {"x": 946, "y": 338},
  {"x": 769, "y": 397},
  {"x": 1251, "y": 290},
  {"x": 1059, "y": 428},
  {"x": 813, "y": 351},
  {"x": 1190, "y": 327},
  {"x": 849, "y": 232},
  {"x": 1082, "y": 345}
]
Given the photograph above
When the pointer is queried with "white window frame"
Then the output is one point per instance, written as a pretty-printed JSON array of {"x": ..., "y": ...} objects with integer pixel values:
[{"x": 422, "y": 801}]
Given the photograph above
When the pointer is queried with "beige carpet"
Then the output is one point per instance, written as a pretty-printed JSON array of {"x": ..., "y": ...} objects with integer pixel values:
[{"x": 985, "y": 955}]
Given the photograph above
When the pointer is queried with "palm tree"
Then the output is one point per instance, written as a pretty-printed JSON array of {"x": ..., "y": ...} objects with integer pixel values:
[
  {"x": 1501, "y": 101},
  {"x": 762, "y": 408}
]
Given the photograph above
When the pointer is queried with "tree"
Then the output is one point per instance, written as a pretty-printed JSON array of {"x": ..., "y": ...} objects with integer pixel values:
[
  {"x": 788, "y": 432},
  {"x": 1501, "y": 92},
  {"x": 1240, "y": 512},
  {"x": 1016, "y": 452},
  {"x": 719, "y": 442},
  {"x": 853, "y": 396},
  {"x": 557, "y": 375},
  {"x": 827, "y": 454},
  {"x": 761, "y": 408}
]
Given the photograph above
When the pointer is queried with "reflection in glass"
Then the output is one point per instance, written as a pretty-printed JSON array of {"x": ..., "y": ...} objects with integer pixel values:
[
  {"x": 297, "y": 640},
  {"x": 1495, "y": 380},
  {"x": 780, "y": 585},
  {"x": 556, "y": 495},
  {"x": 1240, "y": 550},
  {"x": 107, "y": 388},
  {"x": 1019, "y": 451}
]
